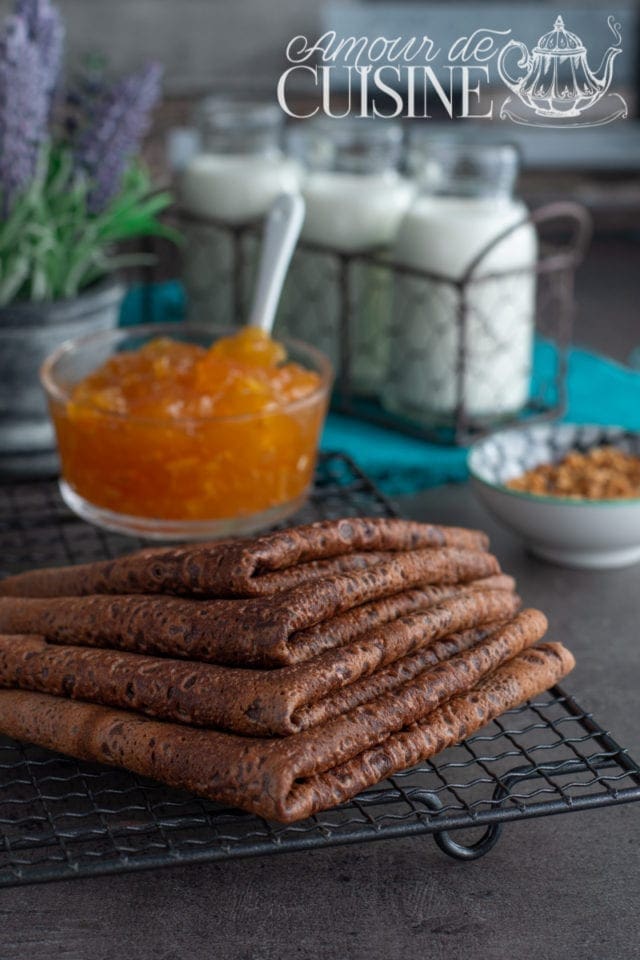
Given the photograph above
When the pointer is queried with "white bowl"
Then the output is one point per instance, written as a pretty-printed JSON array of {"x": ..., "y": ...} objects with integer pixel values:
[{"x": 594, "y": 534}]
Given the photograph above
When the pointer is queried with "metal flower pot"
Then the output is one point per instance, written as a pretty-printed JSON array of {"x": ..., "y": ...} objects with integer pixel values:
[{"x": 28, "y": 333}]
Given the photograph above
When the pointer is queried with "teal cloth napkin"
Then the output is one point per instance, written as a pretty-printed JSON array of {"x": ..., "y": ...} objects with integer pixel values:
[{"x": 599, "y": 391}]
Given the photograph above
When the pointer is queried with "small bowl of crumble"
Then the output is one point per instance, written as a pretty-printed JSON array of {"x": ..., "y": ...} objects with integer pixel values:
[{"x": 570, "y": 491}]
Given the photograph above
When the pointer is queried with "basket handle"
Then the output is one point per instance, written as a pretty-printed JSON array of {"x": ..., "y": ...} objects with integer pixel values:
[{"x": 571, "y": 254}]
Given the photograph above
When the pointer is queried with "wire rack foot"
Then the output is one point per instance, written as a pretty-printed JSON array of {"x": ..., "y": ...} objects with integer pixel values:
[{"x": 454, "y": 848}]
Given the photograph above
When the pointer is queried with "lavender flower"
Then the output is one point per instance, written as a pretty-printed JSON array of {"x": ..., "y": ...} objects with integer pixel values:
[
  {"x": 46, "y": 31},
  {"x": 47, "y": 250},
  {"x": 24, "y": 105},
  {"x": 120, "y": 119}
]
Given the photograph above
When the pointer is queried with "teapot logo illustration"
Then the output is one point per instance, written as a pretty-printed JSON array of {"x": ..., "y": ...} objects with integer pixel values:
[{"x": 557, "y": 86}]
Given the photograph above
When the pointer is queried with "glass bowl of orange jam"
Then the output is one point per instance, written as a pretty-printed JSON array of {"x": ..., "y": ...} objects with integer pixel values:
[{"x": 176, "y": 431}]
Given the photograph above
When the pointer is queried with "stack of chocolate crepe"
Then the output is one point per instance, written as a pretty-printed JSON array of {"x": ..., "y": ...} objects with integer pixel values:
[{"x": 281, "y": 675}]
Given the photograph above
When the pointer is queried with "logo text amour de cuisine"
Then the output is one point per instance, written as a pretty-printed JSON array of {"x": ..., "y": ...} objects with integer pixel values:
[{"x": 410, "y": 77}]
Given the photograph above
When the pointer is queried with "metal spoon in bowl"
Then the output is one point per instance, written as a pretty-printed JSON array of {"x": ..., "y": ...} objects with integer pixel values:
[{"x": 282, "y": 229}]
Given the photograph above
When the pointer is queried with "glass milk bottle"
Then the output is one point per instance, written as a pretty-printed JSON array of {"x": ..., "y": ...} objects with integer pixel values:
[
  {"x": 466, "y": 203},
  {"x": 233, "y": 179},
  {"x": 355, "y": 199}
]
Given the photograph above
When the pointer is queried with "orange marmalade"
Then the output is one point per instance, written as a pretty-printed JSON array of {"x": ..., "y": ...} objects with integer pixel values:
[{"x": 176, "y": 431}]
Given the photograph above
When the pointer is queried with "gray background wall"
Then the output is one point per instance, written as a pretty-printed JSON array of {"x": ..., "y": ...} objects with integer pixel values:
[
  {"x": 235, "y": 42},
  {"x": 240, "y": 43}
]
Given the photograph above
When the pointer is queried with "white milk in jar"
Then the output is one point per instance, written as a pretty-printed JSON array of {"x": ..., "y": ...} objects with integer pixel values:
[
  {"x": 465, "y": 204},
  {"x": 355, "y": 199},
  {"x": 233, "y": 179}
]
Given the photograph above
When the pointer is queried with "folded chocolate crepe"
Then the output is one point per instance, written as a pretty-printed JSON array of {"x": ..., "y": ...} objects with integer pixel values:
[
  {"x": 247, "y": 568},
  {"x": 261, "y": 631},
  {"x": 265, "y": 702},
  {"x": 290, "y": 778}
]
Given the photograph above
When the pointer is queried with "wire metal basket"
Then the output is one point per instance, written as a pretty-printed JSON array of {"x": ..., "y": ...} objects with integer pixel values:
[
  {"x": 60, "y": 818},
  {"x": 431, "y": 355}
]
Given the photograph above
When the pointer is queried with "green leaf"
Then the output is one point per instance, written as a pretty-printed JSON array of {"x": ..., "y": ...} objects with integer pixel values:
[
  {"x": 12, "y": 281},
  {"x": 51, "y": 246}
]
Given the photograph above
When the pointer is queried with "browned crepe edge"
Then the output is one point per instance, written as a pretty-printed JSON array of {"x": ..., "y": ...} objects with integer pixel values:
[
  {"x": 255, "y": 702},
  {"x": 257, "y": 632},
  {"x": 289, "y": 778},
  {"x": 525, "y": 676},
  {"x": 344, "y": 627},
  {"x": 241, "y": 567},
  {"x": 388, "y": 679}
]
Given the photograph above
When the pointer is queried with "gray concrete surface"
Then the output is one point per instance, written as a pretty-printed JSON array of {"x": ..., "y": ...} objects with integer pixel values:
[{"x": 561, "y": 887}]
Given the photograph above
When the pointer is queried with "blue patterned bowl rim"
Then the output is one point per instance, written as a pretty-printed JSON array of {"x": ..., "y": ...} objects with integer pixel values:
[{"x": 506, "y": 454}]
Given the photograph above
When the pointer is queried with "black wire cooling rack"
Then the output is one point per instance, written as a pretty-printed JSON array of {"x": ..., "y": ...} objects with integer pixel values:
[{"x": 60, "y": 818}]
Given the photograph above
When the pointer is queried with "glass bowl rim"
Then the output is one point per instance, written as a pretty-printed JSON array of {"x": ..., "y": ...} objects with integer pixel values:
[{"x": 56, "y": 392}]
